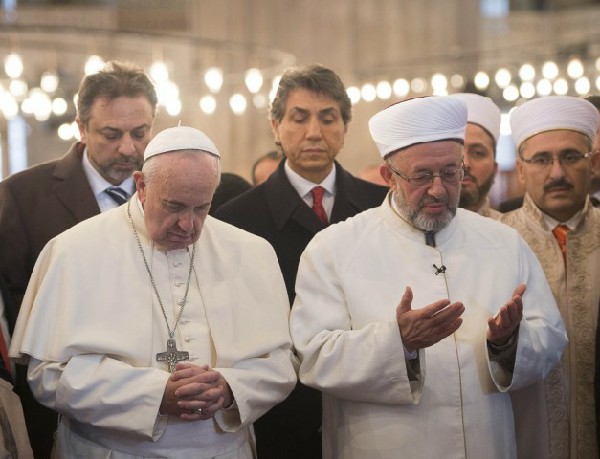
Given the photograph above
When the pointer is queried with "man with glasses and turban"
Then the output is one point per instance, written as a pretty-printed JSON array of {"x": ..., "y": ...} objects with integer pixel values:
[
  {"x": 554, "y": 135},
  {"x": 415, "y": 318}
]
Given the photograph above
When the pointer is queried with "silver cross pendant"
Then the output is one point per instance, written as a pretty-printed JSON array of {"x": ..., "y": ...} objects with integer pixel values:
[{"x": 172, "y": 355}]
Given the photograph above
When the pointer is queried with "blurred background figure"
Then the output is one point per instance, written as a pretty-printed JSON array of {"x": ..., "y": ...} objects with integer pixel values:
[
  {"x": 264, "y": 166},
  {"x": 371, "y": 174},
  {"x": 481, "y": 136}
]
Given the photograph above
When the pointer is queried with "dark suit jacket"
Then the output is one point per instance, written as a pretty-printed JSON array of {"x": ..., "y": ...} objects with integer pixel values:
[
  {"x": 275, "y": 211},
  {"x": 36, "y": 205}
]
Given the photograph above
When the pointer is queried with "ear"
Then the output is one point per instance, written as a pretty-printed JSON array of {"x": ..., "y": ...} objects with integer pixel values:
[
  {"x": 519, "y": 169},
  {"x": 140, "y": 185},
  {"x": 275, "y": 129},
  {"x": 595, "y": 163},
  {"x": 386, "y": 174},
  {"x": 82, "y": 131}
]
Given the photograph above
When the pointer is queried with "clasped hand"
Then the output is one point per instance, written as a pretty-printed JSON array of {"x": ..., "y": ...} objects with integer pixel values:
[
  {"x": 502, "y": 326},
  {"x": 424, "y": 327},
  {"x": 195, "y": 392}
]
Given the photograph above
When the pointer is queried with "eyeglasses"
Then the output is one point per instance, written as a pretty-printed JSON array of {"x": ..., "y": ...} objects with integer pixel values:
[
  {"x": 448, "y": 176},
  {"x": 566, "y": 159}
]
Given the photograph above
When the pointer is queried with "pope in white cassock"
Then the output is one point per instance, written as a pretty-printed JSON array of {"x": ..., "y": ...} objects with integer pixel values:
[
  {"x": 153, "y": 329},
  {"x": 416, "y": 318}
]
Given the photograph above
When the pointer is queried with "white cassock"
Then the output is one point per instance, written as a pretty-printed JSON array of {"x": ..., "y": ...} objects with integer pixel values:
[
  {"x": 90, "y": 327},
  {"x": 343, "y": 323}
]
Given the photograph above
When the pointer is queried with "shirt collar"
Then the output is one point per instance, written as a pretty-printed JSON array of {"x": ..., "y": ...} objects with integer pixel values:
[
  {"x": 551, "y": 223},
  {"x": 303, "y": 186},
  {"x": 99, "y": 183}
]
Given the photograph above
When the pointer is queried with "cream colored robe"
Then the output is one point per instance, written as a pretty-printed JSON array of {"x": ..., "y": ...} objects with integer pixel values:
[
  {"x": 566, "y": 399},
  {"x": 343, "y": 323},
  {"x": 92, "y": 327}
]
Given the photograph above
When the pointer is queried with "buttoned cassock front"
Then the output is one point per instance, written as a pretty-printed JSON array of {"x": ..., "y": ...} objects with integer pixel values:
[
  {"x": 350, "y": 280},
  {"x": 92, "y": 326}
]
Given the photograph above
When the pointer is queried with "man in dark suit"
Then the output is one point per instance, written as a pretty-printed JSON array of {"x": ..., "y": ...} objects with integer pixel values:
[
  {"x": 308, "y": 191},
  {"x": 115, "y": 114}
]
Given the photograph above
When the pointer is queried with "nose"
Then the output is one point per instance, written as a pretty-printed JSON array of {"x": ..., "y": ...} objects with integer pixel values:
[
  {"x": 466, "y": 160},
  {"x": 186, "y": 221},
  {"x": 557, "y": 170},
  {"x": 313, "y": 130},
  {"x": 437, "y": 188},
  {"x": 127, "y": 145}
]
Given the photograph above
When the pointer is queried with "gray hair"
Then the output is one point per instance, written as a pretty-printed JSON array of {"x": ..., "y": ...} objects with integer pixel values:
[
  {"x": 116, "y": 79},
  {"x": 315, "y": 78}
]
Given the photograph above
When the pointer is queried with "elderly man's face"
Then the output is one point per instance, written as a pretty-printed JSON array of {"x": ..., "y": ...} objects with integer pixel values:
[
  {"x": 430, "y": 207},
  {"x": 480, "y": 167},
  {"x": 176, "y": 197},
  {"x": 311, "y": 133},
  {"x": 559, "y": 190},
  {"x": 116, "y": 135}
]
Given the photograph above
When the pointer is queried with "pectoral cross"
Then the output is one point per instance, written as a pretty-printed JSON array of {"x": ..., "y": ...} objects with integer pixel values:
[{"x": 172, "y": 355}]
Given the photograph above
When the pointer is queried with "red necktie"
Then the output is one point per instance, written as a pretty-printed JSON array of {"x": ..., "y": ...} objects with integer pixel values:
[
  {"x": 317, "y": 194},
  {"x": 560, "y": 233}
]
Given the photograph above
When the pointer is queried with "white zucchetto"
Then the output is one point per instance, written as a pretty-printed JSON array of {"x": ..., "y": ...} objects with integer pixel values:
[
  {"x": 180, "y": 138},
  {"x": 552, "y": 113},
  {"x": 482, "y": 111},
  {"x": 423, "y": 119}
]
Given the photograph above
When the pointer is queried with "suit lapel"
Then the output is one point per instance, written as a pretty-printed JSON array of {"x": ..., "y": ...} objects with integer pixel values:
[
  {"x": 71, "y": 187},
  {"x": 285, "y": 204}
]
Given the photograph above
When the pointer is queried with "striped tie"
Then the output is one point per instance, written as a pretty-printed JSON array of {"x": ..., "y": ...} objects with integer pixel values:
[{"x": 118, "y": 194}]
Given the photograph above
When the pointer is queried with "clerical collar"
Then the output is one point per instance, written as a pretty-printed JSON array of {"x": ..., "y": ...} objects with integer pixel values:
[
  {"x": 99, "y": 183},
  {"x": 572, "y": 223}
]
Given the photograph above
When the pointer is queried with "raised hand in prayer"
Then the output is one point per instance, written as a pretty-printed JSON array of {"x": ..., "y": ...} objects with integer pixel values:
[
  {"x": 424, "y": 327},
  {"x": 504, "y": 324},
  {"x": 195, "y": 392}
]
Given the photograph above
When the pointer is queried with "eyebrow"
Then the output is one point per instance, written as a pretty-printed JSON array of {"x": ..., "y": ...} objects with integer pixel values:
[
  {"x": 304, "y": 111},
  {"x": 114, "y": 129}
]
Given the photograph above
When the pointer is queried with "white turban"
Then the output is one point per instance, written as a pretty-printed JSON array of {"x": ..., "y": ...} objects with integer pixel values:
[
  {"x": 482, "y": 111},
  {"x": 424, "y": 119},
  {"x": 552, "y": 113},
  {"x": 180, "y": 138}
]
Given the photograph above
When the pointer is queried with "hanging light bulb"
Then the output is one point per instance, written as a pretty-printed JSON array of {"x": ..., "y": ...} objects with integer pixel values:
[
  {"x": 561, "y": 87},
  {"x": 418, "y": 85},
  {"x": 159, "y": 71},
  {"x": 368, "y": 92},
  {"x": 93, "y": 65},
  {"x": 253, "y": 80},
  {"x": 64, "y": 132},
  {"x": 13, "y": 65},
  {"x": 510, "y": 93},
  {"x": 575, "y": 68},
  {"x": 401, "y": 87},
  {"x": 439, "y": 82},
  {"x": 550, "y": 70},
  {"x": 49, "y": 82},
  {"x": 457, "y": 81},
  {"x": 481, "y": 80},
  {"x": 59, "y": 106},
  {"x": 214, "y": 79},
  {"x": 582, "y": 85},
  {"x": 208, "y": 105},
  {"x": 354, "y": 94},
  {"x": 238, "y": 103},
  {"x": 383, "y": 90},
  {"x": 527, "y": 72},
  {"x": 527, "y": 90},
  {"x": 543, "y": 87},
  {"x": 503, "y": 78}
]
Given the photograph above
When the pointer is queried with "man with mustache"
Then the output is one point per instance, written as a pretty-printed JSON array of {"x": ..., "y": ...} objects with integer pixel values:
[
  {"x": 554, "y": 135},
  {"x": 115, "y": 113},
  {"x": 308, "y": 191},
  {"x": 481, "y": 136},
  {"x": 415, "y": 318}
]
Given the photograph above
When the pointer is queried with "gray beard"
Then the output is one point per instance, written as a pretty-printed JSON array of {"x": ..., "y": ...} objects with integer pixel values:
[{"x": 420, "y": 220}]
